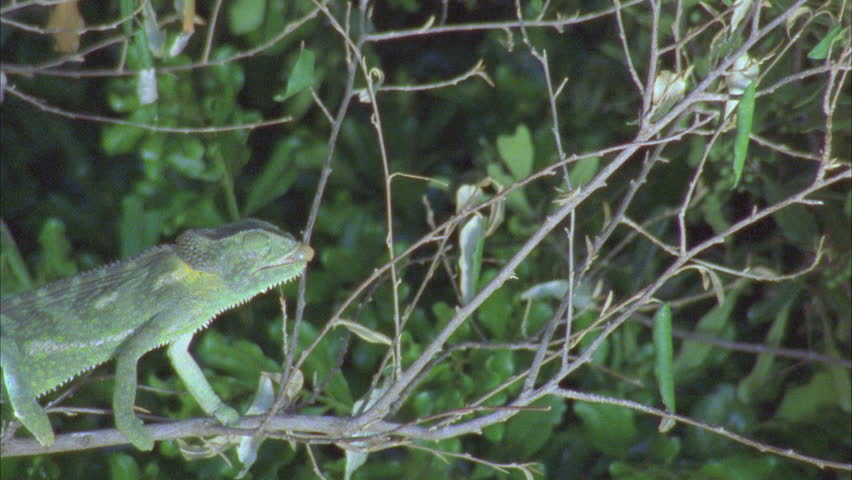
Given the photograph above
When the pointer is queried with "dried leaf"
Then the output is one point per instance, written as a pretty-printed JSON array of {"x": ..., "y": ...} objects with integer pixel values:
[{"x": 66, "y": 24}]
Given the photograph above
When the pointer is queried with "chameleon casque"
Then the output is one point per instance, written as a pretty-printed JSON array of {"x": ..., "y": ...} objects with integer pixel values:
[{"x": 123, "y": 310}]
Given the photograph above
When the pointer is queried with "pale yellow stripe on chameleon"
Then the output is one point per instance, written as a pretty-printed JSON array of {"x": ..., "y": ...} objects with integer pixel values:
[
  {"x": 179, "y": 273},
  {"x": 185, "y": 275}
]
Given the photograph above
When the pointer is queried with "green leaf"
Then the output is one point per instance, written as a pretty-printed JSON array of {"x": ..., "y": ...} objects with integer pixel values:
[
  {"x": 443, "y": 313},
  {"x": 611, "y": 429},
  {"x": 56, "y": 251},
  {"x": 123, "y": 467},
  {"x": 366, "y": 334},
  {"x": 121, "y": 95},
  {"x": 756, "y": 385},
  {"x": 450, "y": 399},
  {"x": 669, "y": 88},
  {"x": 517, "y": 152},
  {"x": 745, "y": 115},
  {"x": 533, "y": 8},
  {"x": 277, "y": 176},
  {"x": 494, "y": 433},
  {"x": 554, "y": 289},
  {"x": 137, "y": 229},
  {"x": 235, "y": 357},
  {"x": 468, "y": 196},
  {"x": 584, "y": 171},
  {"x": 120, "y": 139},
  {"x": 584, "y": 320},
  {"x": 713, "y": 210},
  {"x": 665, "y": 449},
  {"x": 471, "y": 244},
  {"x": 226, "y": 76},
  {"x": 663, "y": 362},
  {"x": 797, "y": 223},
  {"x": 155, "y": 38},
  {"x": 14, "y": 275},
  {"x": 423, "y": 403},
  {"x": 695, "y": 356},
  {"x": 246, "y": 16},
  {"x": 741, "y": 467},
  {"x": 820, "y": 51},
  {"x": 529, "y": 431},
  {"x": 720, "y": 407},
  {"x": 322, "y": 363},
  {"x": 151, "y": 153},
  {"x": 499, "y": 367},
  {"x": 301, "y": 75},
  {"x": 517, "y": 199},
  {"x": 186, "y": 156},
  {"x": 495, "y": 314},
  {"x": 354, "y": 460},
  {"x": 263, "y": 399},
  {"x": 823, "y": 390}
]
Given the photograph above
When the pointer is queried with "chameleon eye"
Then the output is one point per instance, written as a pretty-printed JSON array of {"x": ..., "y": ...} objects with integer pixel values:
[{"x": 256, "y": 244}]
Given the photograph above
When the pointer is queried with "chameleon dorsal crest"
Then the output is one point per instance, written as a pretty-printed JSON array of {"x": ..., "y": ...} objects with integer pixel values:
[{"x": 52, "y": 334}]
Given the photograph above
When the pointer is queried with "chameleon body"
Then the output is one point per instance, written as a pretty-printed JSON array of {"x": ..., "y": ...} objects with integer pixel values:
[{"x": 123, "y": 310}]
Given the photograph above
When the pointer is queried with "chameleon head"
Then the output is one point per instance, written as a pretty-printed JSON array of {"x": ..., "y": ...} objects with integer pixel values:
[{"x": 249, "y": 256}]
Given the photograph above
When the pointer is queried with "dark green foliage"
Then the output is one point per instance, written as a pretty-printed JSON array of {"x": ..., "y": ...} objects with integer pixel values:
[{"x": 768, "y": 360}]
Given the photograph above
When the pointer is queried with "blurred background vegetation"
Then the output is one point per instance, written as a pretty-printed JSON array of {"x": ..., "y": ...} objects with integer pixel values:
[{"x": 83, "y": 184}]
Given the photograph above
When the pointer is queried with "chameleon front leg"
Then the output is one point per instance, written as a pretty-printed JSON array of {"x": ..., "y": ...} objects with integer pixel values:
[
  {"x": 124, "y": 397},
  {"x": 153, "y": 332},
  {"x": 197, "y": 384},
  {"x": 21, "y": 395},
  {"x": 151, "y": 335}
]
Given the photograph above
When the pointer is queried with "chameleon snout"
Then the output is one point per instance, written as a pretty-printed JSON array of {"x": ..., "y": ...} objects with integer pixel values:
[{"x": 303, "y": 254}]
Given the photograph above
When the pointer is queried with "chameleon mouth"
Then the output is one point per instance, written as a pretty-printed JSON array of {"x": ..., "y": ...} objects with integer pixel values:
[{"x": 303, "y": 254}]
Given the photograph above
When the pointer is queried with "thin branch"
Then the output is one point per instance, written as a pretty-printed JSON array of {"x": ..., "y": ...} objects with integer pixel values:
[
  {"x": 484, "y": 26},
  {"x": 45, "y": 107},
  {"x": 721, "y": 431}
]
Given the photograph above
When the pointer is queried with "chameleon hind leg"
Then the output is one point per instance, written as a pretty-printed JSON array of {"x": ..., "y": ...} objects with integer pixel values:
[{"x": 21, "y": 395}]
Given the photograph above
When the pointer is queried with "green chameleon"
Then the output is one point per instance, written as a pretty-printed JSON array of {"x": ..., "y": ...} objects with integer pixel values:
[{"x": 123, "y": 310}]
